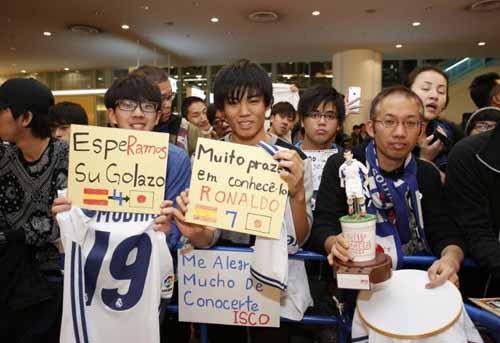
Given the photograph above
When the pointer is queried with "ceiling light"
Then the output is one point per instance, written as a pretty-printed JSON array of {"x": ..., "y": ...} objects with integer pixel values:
[
  {"x": 145, "y": 7},
  {"x": 214, "y": 20},
  {"x": 23, "y": 71},
  {"x": 198, "y": 76},
  {"x": 481, "y": 43},
  {"x": 66, "y": 69},
  {"x": 316, "y": 13},
  {"x": 125, "y": 27},
  {"x": 47, "y": 33},
  {"x": 416, "y": 23},
  {"x": 399, "y": 46},
  {"x": 99, "y": 78},
  {"x": 188, "y": 73}
]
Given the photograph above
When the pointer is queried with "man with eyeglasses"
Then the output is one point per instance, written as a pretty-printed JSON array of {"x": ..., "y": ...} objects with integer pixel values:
[
  {"x": 322, "y": 110},
  {"x": 484, "y": 119},
  {"x": 404, "y": 193},
  {"x": 132, "y": 103},
  {"x": 182, "y": 132}
]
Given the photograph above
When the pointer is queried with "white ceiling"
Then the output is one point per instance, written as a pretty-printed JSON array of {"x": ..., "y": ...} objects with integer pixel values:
[{"x": 447, "y": 30}]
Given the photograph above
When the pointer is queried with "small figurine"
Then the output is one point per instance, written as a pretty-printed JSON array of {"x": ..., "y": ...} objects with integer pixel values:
[{"x": 354, "y": 177}]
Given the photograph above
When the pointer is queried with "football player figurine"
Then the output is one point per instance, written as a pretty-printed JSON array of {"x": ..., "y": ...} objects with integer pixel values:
[{"x": 354, "y": 178}]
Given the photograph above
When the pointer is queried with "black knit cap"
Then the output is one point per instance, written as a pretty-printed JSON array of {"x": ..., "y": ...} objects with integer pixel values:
[{"x": 23, "y": 95}]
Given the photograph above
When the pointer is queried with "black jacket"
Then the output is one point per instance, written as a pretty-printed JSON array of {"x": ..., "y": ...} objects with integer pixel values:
[
  {"x": 331, "y": 204},
  {"x": 473, "y": 194}
]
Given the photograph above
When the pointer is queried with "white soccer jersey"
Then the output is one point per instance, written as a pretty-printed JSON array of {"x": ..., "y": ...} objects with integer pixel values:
[
  {"x": 353, "y": 174},
  {"x": 117, "y": 269}
]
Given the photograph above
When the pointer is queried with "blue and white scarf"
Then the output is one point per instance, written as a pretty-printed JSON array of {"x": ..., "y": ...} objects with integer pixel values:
[{"x": 388, "y": 201}]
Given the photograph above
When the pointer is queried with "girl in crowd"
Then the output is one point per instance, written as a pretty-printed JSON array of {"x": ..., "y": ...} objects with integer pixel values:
[{"x": 431, "y": 85}]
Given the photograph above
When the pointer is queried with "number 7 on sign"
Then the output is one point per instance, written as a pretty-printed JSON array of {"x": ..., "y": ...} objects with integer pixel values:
[{"x": 234, "y": 214}]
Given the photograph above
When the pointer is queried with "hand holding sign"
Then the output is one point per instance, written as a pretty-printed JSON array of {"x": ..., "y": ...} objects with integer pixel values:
[
  {"x": 199, "y": 235},
  {"x": 292, "y": 172}
]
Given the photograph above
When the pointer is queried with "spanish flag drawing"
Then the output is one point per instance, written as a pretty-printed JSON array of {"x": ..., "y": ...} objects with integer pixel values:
[
  {"x": 95, "y": 196},
  {"x": 205, "y": 213}
]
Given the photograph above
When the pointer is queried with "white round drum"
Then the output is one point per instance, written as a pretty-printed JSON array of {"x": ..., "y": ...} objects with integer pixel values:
[{"x": 403, "y": 308}]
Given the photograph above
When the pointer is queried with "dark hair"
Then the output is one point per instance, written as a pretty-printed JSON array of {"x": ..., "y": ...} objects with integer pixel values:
[
  {"x": 398, "y": 89},
  {"x": 66, "y": 113},
  {"x": 362, "y": 125},
  {"x": 480, "y": 88},
  {"x": 285, "y": 108},
  {"x": 354, "y": 127},
  {"x": 232, "y": 81},
  {"x": 419, "y": 70},
  {"x": 187, "y": 102},
  {"x": 317, "y": 94},
  {"x": 40, "y": 124},
  {"x": 483, "y": 114},
  {"x": 23, "y": 95},
  {"x": 211, "y": 110},
  {"x": 155, "y": 75},
  {"x": 132, "y": 87}
]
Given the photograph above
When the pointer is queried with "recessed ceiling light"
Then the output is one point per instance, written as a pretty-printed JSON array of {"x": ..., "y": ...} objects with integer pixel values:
[
  {"x": 188, "y": 73},
  {"x": 316, "y": 13},
  {"x": 481, "y": 43},
  {"x": 66, "y": 69},
  {"x": 145, "y": 7},
  {"x": 198, "y": 76},
  {"x": 214, "y": 20},
  {"x": 23, "y": 71},
  {"x": 47, "y": 33},
  {"x": 125, "y": 27},
  {"x": 399, "y": 46},
  {"x": 416, "y": 23},
  {"x": 99, "y": 78}
]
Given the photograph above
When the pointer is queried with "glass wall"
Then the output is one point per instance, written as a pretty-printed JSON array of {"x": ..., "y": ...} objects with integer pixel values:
[{"x": 198, "y": 80}]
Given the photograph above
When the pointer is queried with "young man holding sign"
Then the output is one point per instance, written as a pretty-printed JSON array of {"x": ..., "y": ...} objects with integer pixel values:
[
  {"x": 243, "y": 92},
  {"x": 132, "y": 104}
]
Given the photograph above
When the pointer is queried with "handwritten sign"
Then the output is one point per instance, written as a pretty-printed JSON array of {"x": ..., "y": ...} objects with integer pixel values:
[
  {"x": 216, "y": 287},
  {"x": 117, "y": 170},
  {"x": 236, "y": 187},
  {"x": 318, "y": 159}
]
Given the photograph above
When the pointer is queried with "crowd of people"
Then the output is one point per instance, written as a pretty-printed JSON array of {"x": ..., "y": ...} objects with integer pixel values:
[{"x": 433, "y": 185}]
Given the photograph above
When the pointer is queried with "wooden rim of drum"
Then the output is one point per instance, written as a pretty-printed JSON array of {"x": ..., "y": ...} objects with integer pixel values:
[{"x": 423, "y": 335}]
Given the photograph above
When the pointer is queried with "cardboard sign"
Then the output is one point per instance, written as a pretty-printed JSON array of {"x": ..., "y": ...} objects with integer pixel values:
[
  {"x": 117, "y": 170},
  {"x": 236, "y": 187},
  {"x": 216, "y": 287},
  {"x": 318, "y": 159}
]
